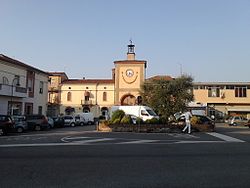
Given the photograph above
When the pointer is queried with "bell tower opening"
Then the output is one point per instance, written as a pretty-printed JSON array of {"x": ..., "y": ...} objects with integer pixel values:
[{"x": 131, "y": 51}]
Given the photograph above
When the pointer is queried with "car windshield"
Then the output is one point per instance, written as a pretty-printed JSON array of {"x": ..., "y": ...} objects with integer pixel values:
[{"x": 151, "y": 112}]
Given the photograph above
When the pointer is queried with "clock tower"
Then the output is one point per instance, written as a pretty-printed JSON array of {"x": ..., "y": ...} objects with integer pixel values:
[{"x": 129, "y": 76}]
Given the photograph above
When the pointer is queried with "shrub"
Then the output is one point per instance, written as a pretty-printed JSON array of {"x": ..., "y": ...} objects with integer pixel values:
[
  {"x": 126, "y": 120},
  {"x": 139, "y": 121},
  {"x": 117, "y": 116},
  {"x": 195, "y": 120},
  {"x": 115, "y": 121},
  {"x": 162, "y": 120},
  {"x": 152, "y": 121}
]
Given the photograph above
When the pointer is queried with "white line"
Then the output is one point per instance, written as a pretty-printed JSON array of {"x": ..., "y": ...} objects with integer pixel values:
[
  {"x": 225, "y": 137},
  {"x": 197, "y": 142},
  {"x": 139, "y": 141},
  {"x": 37, "y": 145},
  {"x": 72, "y": 138},
  {"x": 94, "y": 140}
]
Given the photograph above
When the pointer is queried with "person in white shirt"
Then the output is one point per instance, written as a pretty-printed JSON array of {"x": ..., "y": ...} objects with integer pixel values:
[{"x": 188, "y": 116}]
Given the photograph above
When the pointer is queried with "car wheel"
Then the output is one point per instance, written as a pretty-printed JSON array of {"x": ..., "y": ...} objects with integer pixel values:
[
  {"x": 72, "y": 125},
  {"x": 81, "y": 123},
  {"x": 37, "y": 128},
  {"x": 19, "y": 130}
]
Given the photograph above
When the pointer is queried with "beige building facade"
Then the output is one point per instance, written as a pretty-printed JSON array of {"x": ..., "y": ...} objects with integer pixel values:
[
  {"x": 98, "y": 95},
  {"x": 23, "y": 88},
  {"x": 231, "y": 98}
]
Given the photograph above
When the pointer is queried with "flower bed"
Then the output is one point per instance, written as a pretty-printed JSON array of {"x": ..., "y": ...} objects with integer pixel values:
[{"x": 151, "y": 128}]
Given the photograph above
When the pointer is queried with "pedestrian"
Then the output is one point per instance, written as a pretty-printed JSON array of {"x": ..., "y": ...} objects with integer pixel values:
[{"x": 188, "y": 116}]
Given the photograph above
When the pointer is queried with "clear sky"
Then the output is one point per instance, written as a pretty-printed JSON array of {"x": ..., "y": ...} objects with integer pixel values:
[{"x": 208, "y": 39}]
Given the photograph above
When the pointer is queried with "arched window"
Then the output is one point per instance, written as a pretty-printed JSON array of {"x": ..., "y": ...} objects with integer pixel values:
[
  {"x": 69, "y": 96},
  {"x": 5, "y": 81},
  {"x": 104, "y": 96}
]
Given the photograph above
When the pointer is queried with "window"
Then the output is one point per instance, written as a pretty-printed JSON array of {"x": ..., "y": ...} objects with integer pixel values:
[
  {"x": 30, "y": 82},
  {"x": 41, "y": 87},
  {"x": 213, "y": 92},
  {"x": 69, "y": 96},
  {"x": 5, "y": 81},
  {"x": 40, "y": 110},
  {"x": 240, "y": 91},
  {"x": 104, "y": 96},
  {"x": 16, "y": 80}
]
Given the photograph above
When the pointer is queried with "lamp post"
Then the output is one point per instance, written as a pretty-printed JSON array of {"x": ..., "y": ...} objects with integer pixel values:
[{"x": 12, "y": 93}]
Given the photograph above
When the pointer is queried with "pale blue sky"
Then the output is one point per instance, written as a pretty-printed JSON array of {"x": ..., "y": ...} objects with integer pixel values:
[{"x": 208, "y": 39}]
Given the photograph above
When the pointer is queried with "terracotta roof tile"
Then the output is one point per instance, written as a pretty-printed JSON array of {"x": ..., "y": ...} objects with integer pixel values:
[
  {"x": 89, "y": 81},
  {"x": 161, "y": 77}
]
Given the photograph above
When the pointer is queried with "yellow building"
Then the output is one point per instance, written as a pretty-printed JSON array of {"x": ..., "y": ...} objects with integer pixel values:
[
  {"x": 98, "y": 95},
  {"x": 232, "y": 98},
  {"x": 54, "y": 92}
]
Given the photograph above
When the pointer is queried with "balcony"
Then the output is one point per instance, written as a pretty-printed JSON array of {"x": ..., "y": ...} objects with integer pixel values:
[
  {"x": 14, "y": 91},
  {"x": 86, "y": 102},
  {"x": 54, "y": 100},
  {"x": 54, "y": 89}
]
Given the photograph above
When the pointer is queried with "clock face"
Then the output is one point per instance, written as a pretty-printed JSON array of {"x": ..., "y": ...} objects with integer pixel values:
[{"x": 129, "y": 73}]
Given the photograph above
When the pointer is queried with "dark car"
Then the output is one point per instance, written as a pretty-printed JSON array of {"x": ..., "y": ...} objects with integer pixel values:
[
  {"x": 58, "y": 122},
  {"x": 6, "y": 124},
  {"x": 199, "y": 122},
  {"x": 37, "y": 122}
]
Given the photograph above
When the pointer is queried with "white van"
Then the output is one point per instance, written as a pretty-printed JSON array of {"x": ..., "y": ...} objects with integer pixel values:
[
  {"x": 85, "y": 118},
  {"x": 143, "y": 112}
]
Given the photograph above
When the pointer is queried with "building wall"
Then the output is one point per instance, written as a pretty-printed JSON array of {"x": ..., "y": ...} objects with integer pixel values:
[
  {"x": 39, "y": 99},
  {"x": 226, "y": 102},
  {"x": 126, "y": 84},
  {"x": 78, "y": 91},
  {"x": 8, "y": 91},
  {"x": 226, "y": 96}
]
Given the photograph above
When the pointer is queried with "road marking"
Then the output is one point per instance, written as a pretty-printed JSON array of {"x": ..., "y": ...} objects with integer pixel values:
[
  {"x": 225, "y": 137},
  {"x": 38, "y": 145},
  {"x": 80, "y": 137},
  {"x": 139, "y": 142},
  {"x": 93, "y": 140},
  {"x": 197, "y": 142}
]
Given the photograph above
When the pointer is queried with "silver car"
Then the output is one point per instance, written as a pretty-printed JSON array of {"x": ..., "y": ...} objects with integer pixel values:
[
  {"x": 20, "y": 123},
  {"x": 238, "y": 120},
  {"x": 69, "y": 120}
]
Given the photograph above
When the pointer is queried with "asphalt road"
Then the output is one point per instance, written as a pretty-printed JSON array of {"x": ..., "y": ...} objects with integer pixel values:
[{"x": 79, "y": 157}]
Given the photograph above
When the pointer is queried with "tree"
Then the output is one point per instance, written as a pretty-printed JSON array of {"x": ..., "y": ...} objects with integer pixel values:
[{"x": 167, "y": 97}]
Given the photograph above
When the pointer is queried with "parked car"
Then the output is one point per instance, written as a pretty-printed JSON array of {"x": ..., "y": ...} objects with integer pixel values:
[
  {"x": 58, "y": 122},
  {"x": 51, "y": 122},
  {"x": 37, "y": 122},
  {"x": 237, "y": 120},
  {"x": 69, "y": 120},
  {"x": 202, "y": 122},
  {"x": 6, "y": 124},
  {"x": 20, "y": 123},
  {"x": 79, "y": 120}
]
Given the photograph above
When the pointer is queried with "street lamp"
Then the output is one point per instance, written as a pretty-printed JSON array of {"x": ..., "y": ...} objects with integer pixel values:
[{"x": 12, "y": 93}]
